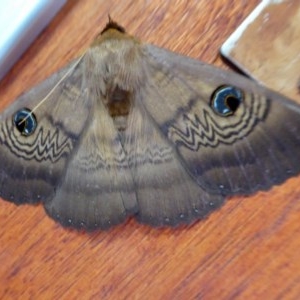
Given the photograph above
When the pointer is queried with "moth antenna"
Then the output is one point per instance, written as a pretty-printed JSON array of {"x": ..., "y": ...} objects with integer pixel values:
[
  {"x": 52, "y": 90},
  {"x": 56, "y": 85}
]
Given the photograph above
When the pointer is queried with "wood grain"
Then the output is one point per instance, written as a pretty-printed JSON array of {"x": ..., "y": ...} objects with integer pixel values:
[{"x": 249, "y": 249}]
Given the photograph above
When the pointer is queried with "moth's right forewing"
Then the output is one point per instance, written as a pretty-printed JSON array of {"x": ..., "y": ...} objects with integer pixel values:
[{"x": 253, "y": 149}]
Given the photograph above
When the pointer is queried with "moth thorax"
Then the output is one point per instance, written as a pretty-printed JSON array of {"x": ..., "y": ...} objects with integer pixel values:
[{"x": 118, "y": 104}]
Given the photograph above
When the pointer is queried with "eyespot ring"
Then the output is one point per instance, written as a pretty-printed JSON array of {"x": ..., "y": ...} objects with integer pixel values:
[
  {"x": 25, "y": 121},
  {"x": 226, "y": 99}
]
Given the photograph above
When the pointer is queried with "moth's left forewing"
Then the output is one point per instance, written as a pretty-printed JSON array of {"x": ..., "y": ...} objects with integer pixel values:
[
  {"x": 34, "y": 153},
  {"x": 252, "y": 147}
]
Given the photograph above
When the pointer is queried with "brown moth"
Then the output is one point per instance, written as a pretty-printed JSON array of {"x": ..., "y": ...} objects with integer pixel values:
[{"x": 130, "y": 129}]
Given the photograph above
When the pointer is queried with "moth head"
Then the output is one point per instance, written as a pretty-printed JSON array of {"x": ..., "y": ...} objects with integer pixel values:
[
  {"x": 25, "y": 121},
  {"x": 112, "y": 30},
  {"x": 113, "y": 25},
  {"x": 226, "y": 100}
]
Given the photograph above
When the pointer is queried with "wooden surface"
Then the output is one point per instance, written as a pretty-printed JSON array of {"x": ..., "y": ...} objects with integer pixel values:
[
  {"x": 249, "y": 249},
  {"x": 262, "y": 49}
]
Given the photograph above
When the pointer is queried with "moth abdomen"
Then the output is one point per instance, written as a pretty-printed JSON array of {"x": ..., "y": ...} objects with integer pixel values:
[{"x": 119, "y": 102}]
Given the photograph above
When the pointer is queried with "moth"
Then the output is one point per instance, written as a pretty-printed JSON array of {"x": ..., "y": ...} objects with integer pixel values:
[{"x": 131, "y": 129}]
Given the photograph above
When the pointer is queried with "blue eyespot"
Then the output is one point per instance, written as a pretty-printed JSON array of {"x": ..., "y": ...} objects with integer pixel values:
[
  {"x": 226, "y": 100},
  {"x": 25, "y": 121}
]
